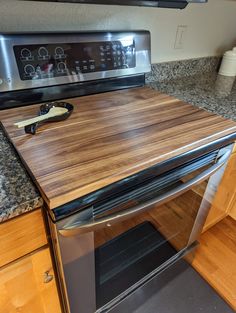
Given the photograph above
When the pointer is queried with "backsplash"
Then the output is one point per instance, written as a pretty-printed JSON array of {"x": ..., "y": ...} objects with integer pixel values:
[{"x": 183, "y": 68}]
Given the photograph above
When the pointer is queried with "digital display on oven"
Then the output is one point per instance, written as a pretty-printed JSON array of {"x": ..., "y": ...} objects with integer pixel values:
[{"x": 55, "y": 60}]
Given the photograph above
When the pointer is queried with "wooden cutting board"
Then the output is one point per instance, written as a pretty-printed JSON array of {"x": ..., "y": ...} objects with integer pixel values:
[{"x": 108, "y": 137}]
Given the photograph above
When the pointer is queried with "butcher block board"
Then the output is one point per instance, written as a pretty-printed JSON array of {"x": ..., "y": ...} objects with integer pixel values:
[{"x": 108, "y": 137}]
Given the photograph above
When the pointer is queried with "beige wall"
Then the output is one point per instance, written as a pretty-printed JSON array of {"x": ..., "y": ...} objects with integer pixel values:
[{"x": 211, "y": 27}]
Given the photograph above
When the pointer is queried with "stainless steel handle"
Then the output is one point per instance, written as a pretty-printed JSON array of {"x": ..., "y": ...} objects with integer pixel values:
[{"x": 80, "y": 227}]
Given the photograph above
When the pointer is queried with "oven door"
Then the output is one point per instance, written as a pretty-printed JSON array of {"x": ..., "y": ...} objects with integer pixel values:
[{"x": 107, "y": 251}]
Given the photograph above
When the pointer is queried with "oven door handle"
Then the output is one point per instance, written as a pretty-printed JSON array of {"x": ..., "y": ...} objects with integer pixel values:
[{"x": 74, "y": 227}]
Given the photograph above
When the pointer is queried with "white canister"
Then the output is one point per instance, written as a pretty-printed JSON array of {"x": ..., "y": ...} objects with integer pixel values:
[{"x": 228, "y": 64}]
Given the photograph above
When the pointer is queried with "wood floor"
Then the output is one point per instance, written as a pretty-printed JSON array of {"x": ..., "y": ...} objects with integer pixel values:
[{"x": 215, "y": 259}]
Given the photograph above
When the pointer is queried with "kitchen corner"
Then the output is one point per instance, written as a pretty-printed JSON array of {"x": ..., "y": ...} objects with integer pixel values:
[
  {"x": 183, "y": 80},
  {"x": 117, "y": 156},
  {"x": 190, "y": 80}
]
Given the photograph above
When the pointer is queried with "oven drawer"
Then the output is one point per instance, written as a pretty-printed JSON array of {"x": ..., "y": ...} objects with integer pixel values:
[{"x": 21, "y": 235}]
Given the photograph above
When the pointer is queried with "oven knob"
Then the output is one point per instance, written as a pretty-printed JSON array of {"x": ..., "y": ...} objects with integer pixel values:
[
  {"x": 25, "y": 53},
  {"x": 61, "y": 67},
  {"x": 43, "y": 52},
  {"x": 29, "y": 69},
  {"x": 59, "y": 51}
]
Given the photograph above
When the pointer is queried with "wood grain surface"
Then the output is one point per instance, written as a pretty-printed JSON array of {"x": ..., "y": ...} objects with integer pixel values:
[
  {"x": 215, "y": 259},
  {"x": 23, "y": 288},
  {"x": 108, "y": 137},
  {"x": 21, "y": 235},
  {"x": 224, "y": 200}
]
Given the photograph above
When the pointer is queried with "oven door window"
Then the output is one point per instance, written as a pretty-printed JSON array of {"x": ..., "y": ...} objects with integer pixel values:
[{"x": 128, "y": 251}]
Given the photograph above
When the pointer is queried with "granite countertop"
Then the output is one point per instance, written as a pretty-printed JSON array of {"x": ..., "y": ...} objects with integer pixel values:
[
  {"x": 17, "y": 192},
  {"x": 208, "y": 91}
]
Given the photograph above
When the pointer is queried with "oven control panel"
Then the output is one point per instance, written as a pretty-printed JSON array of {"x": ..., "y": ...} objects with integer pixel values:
[
  {"x": 56, "y": 60},
  {"x": 30, "y": 61}
]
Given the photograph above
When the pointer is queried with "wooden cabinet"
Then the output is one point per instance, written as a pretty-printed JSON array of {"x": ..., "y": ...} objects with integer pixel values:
[
  {"x": 225, "y": 201},
  {"x": 21, "y": 235},
  {"x": 28, "y": 285},
  {"x": 27, "y": 282}
]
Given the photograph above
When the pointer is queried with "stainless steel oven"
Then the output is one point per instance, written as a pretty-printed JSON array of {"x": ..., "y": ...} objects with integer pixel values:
[{"x": 111, "y": 243}]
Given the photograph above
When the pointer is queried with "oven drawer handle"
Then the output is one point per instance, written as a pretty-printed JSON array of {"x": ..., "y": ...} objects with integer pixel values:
[{"x": 73, "y": 227}]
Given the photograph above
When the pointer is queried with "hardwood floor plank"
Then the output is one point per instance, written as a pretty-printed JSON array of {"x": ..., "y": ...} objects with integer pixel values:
[{"x": 215, "y": 259}]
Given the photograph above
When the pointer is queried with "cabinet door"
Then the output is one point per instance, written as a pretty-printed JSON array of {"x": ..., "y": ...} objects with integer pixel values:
[
  {"x": 28, "y": 285},
  {"x": 21, "y": 235},
  {"x": 223, "y": 201}
]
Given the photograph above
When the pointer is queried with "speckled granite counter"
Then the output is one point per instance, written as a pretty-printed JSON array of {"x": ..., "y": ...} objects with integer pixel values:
[
  {"x": 200, "y": 90},
  {"x": 17, "y": 193},
  {"x": 195, "y": 81}
]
